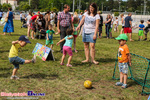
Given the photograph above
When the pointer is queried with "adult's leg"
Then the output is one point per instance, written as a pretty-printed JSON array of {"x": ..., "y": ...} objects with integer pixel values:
[
  {"x": 28, "y": 32},
  {"x": 130, "y": 35},
  {"x": 87, "y": 51},
  {"x": 62, "y": 35},
  {"x": 92, "y": 53}
]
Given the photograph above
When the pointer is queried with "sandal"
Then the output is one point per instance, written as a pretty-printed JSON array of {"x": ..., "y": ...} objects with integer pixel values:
[
  {"x": 124, "y": 86},
  {"x": 61, "y": 63},
  {"x": 75, "y": 51},
  {"x": 69, "y": 65},
  {"x": 119, "y": 84}
]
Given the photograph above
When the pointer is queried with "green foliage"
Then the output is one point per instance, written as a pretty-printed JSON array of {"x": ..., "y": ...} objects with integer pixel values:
[
  {"x": 26, "y": 7},
  {"x": 6, "y": 6},
  {"x": 77, "y": 10},
  {"x": 116, "y": 13},
  {"x": 54, "y": 9}
]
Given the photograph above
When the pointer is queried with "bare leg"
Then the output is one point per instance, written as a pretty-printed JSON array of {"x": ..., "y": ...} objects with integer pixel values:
[
  {"x": 51, "y": 46},
  {"x": 28, "y": 32},
  {"x": 4, "y": 33},
  {"x": 63, "y": 58},
  {"x": 92, "y": 52},
  {"x": 9, "y": 33},
  {"x": 121, "y": 77},
  {"x": 28, "y": 61},
  {"x": 87, "y": 51},
  {"x": 14, "y": 71},
  {"x": 69, "y": 59},
  {"x": 32, "y": 34},
  {"x": 74, "y": 41},
  {"x": 130, "y": 35},
  {"x": 125, "y": 78}
]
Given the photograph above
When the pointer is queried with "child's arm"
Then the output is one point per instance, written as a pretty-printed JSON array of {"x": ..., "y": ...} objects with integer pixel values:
[
  {"x": 14, "y": 42},
  {"x": 47, "y": 36},
  {"x": 129, "y": 57},
  {"x": 70, "y": 38},
  {"x": 60, "y": 41}
]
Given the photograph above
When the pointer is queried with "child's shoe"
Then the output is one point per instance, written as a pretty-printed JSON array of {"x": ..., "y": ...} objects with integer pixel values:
[
  {"x": 119, "y": 84},
  {"x": 14, "y": 77},
  {"x": 34, "y": 59},
  {"x": 69, "y": 65},
  {"x": 61, "y": 63},
  {"x": 124, "y": 86}
]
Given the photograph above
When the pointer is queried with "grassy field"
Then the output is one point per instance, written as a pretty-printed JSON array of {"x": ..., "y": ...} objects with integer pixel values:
[{"x": 65, "y": 83}]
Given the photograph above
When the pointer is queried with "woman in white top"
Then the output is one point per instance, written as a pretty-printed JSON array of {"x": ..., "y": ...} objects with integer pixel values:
[
  {"x": 122, "y": 21},
  {"x": 89, "y": 36},
  {"x": 116, "y": 25},
  {"x": 28, "y": 19}
]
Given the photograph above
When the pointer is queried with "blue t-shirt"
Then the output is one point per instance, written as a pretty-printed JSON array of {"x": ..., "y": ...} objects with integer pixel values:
[
  {"x": 141, "y": 26},
  {"x": 1, "y": 14},
  {"x": 68, "y": 41},
  {"x": 80, "y": 17},
  {"x": 127, "y": 21},
  {"x": 50, "y": 34}
]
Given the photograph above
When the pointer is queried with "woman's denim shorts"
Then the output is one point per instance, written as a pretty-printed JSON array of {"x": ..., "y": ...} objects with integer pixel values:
[{"x": 88, "y": 37}]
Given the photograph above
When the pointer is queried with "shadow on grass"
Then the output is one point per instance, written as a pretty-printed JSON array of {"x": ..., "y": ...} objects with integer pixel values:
[
  {"x": 15, "y": 34},
  {"x": 5, "y": 75},
  {"x": 91, "y": 88},
  {"x": 1, "y": 51},
  {"x": 1, "y": 69},
  {"x": 43, "y": 76},
  {"x": 132, "y": 83},
  {"x": 106, "y": 60}
]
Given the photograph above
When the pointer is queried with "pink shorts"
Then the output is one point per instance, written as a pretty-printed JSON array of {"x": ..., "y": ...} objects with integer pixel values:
[
  {"x": 67, "y": 49},
  {"x": 127, "y": 30}
]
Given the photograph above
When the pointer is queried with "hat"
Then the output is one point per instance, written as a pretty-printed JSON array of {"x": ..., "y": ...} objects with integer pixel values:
[
  {"x": 24, "y": 38},
  {"x": 122, "y": 37}
]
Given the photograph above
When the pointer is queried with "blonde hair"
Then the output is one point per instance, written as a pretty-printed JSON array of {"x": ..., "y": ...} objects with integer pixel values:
[
  {"x": 121, "y": 15},
  {"x": 99, "y": 12}
]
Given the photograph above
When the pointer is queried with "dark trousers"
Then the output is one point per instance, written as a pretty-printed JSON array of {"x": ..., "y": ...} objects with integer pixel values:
[
  {"x": 100, "y": 30},
  {"x": 62, "y": 35}
]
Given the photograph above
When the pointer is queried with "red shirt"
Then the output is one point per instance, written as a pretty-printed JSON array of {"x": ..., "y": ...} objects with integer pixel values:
[{"x": 34, "y": 17}]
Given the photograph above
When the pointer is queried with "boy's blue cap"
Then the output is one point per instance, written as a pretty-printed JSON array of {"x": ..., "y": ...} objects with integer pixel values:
[{"x": 24, "y": 38}]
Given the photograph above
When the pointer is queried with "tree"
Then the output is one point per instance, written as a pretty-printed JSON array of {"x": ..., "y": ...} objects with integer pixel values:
[
  {"x": 5, "y": 6},
  {"x": 26, "y": 7}
]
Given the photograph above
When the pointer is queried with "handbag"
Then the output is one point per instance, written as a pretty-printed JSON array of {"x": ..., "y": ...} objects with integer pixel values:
[{"x": 6, "y": 19}]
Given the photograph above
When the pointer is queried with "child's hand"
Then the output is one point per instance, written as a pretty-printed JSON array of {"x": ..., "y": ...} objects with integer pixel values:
[
  {"x": 56, "y": 33},
  {"x": 130, "y": 64},
  {"x": 57, "y": 44},
  {"x": 77, "y": 28},
  {"x": 47, "y": 39}
]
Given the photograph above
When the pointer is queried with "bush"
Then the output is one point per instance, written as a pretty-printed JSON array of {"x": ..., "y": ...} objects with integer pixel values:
[{"x": 116, "y": 13}]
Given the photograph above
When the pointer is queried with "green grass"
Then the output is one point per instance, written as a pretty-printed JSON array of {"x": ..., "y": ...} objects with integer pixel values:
[{"x": 64, "y": 83}]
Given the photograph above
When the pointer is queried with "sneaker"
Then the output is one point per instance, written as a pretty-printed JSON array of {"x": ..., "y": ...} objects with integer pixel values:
[
  {"x": 69, "y": 65},
  {"x": 138, "y": 39},
  {"x": 145, "y": 39},
  {"x": 34, "y": 59},
  {"x": 14, "y": 77}
]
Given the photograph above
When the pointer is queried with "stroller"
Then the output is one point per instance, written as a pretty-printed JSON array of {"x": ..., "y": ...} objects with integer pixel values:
[
  {"x": 40, "y": 29},
  {"x": 24, "y": 23}
]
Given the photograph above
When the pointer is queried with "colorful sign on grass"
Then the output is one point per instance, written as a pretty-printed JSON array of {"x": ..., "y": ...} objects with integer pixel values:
[{"x": 42, "y": 51}]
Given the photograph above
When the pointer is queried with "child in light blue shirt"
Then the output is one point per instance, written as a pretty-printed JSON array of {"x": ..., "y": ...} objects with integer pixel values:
[{"x": 67, "y": 47}]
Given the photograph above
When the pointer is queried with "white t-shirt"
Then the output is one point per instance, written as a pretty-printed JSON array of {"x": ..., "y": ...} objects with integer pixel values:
[
  {"x": 116, "y": 22},
  {"x": 52, "y": 17},
  {"x": 28, "y": 18},
  {"x": 21, "y": 15},
  {"x": 90, "y": 23}
]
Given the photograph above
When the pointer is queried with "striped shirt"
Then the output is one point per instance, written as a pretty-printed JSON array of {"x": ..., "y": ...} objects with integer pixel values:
[{"x": 64, "y": 18}]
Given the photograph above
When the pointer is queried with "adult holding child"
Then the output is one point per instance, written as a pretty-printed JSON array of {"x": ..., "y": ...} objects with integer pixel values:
[
  {"x": 91, "y": 23},
  {"x": 63, "y": 23},
  {"x": 9, "y": 27}
]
